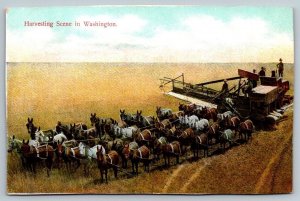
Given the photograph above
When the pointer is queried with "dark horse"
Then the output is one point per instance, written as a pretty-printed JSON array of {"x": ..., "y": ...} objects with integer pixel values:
[
  {"x": 209, "y": 113},
  {"x": 213, "y": 132},
  {"x": 171, "y": 149},
  {"x": 31, "y": 128},
  {"x": 32, "y": 155},
  {"x": 141, "y": 154},
  {"x": 68, "y": 152},
  {"x": 106, "y": 161},
  {"x": 201, "y": 143}
]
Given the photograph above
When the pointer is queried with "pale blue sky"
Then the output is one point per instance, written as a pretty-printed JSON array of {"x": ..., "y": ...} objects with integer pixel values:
[{"x": 252, "y": 32}]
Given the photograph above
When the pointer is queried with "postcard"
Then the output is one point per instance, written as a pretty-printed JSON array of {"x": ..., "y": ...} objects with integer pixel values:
[{"x": 149, "y": 100}]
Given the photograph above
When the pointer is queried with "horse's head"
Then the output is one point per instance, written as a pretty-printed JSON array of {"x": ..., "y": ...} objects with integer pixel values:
[
  {"x": 158, "y": 111},
  {"x": 100, "y": 153},
  {"x": 126, "y": 151},
  {"x": 93, "y": 118},
  {"x": 181, "y": 107},
  {"x": 29, "y": 124},
  {"x": 139, "y": 117},
  {"x": 123, "y": 115},
  {"x": 12, "y": 144},
  {"x": 60, "y": 148},
  {"x": 25, "y": 147}
]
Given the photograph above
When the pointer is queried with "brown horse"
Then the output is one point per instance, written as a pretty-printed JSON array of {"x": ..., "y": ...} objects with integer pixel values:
[
  {"x": 187, "y": 140},
  {"x": 233, "y": 123},
  {"x": 164, "y": 124},
  {"x": 106, "y": 161},
  {"x": 171, "y": 133},
  {"x": 201, "y": 143},
  {"x": 213, "y": 132},
  {"x": 32, "y": 155},
  {"x": 210, "y": 113},
  {"x": 69, "y": 153},
  {"x": 141, "y": 154},
  {"x": 145, "y": 137},
  {"x": 171, "y": 149},
  {"x": 159, "y": 146},
  {"x": 246, "y": 128},
  {"x": 188, "y": 109}
]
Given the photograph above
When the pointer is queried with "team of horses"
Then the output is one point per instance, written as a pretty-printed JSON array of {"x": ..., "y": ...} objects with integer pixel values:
[{"x": 142, "y": 139}]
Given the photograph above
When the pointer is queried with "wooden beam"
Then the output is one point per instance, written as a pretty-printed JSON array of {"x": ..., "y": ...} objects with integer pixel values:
[{"x": 216, "y": 81}]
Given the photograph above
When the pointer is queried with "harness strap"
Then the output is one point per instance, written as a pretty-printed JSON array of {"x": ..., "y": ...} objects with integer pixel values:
[
  {"x": 172, "y": 148},
  {"x": 141, "y": 156},
  {"x": 149, "y": 132},
  {"x": 147, "y": 120},
  {"x": 213, "y": 129},
  {"x": 37, "y": 151},
  {"x": 142, "y": 136},
  {"x": 109, "y": 158},
  {"x": 73, "y": 152},
  {"x": 200, "y": 140},
  {"x": 246, "y": 126},
  {"x": 185, "y": 133},
  {"x": 232, "y": 122}
]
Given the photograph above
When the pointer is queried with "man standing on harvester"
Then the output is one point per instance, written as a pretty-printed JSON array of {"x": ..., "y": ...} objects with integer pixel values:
[{"x": 280, "y": 68}]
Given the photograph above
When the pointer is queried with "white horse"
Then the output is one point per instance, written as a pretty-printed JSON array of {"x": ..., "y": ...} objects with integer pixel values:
[
  {"x": 59, "y": 138},
  {"x": 125, "y": 133},
  {"x": 90, "y": 153},
  {"x": 201, "y": 125},
  {"x": 190, "y": 120},
  {"x": 228, "y": 114},
  {"x": 44, "y": 135}
]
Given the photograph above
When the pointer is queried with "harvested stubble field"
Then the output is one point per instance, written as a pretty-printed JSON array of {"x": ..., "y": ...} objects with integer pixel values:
[{"x": 69, "y": 92}]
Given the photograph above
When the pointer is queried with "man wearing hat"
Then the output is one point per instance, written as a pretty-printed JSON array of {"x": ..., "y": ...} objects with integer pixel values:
[
  {"x": 225, "y": 86},
  {"x": 262, "y": 72},
  {"x": 280, "y": 68}
]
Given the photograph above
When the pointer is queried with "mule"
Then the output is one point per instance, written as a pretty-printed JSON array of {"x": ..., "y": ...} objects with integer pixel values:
[
  {"x": 201, "y": 125},
  {"x": 63, "y": 128},
  {"x": 163, "y": 113},
  {"x": 246, "y": 128},
  {"x": 128, "y": 133},
  {"x": 171, "y": 149},
  {"x": 187, "y": 140},
  {"x": 210, "y": 113},
  {"x": 68, "y": 152},
  {"x": 201, "y": 143},
  {"x": 14, "y": 144},
  {"x": 213, "y": 132},
  {"x": 129, "y": 119},
  {"x": 145, "y": 137},
  {"x": 32, "y": 155},
  {"x": 106, "y": 161},
  {"x": 227, "y": 136},
  {"x": 158, "y": 146},
  {"x": 126, "y": 152},
  {"x": 141, "y": 154},
  {"x": 44, "y": 136},
  {"x": 88, "y": 154}
]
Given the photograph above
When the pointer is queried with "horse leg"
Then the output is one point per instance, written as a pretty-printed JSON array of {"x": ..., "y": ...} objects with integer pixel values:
[
  {"x": 115, "y": 172},
  {"x": 132, "y": 164},
  {"x": 137, "y": 168},
  {"x": 165, "y": 158},
  {"x": 106, "y": 174},
  {"x": 101, "y": 174}
]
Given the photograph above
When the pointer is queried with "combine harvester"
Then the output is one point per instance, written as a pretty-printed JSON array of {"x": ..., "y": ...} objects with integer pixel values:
[{"x": 265, "y": 102}]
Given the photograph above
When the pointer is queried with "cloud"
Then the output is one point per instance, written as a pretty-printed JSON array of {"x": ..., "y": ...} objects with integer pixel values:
[{"x": 198, "y": 38}]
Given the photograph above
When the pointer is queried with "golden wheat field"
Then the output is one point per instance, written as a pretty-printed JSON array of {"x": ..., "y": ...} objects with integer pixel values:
[{"x": 69, "y": 92}]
